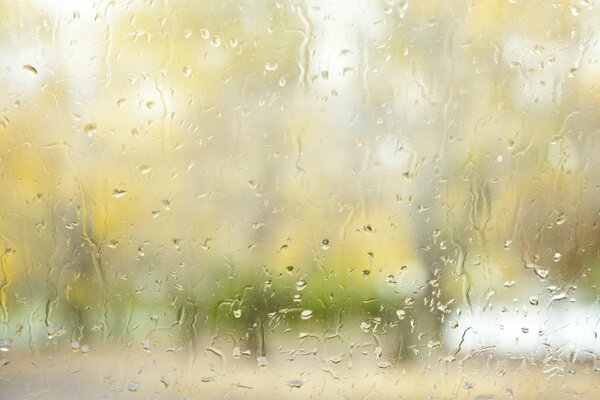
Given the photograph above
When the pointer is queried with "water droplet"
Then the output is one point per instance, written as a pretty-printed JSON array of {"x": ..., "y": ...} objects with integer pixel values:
[
  {"x": 90, "y": 129},
  {"x": 271, "y": 65},
  {"x": 534, "y": 301},
  {"x": 401, "y": 314},
  {"x": 237, "y": 313},
  {"x": 390, "y": 280},
  {"x": 262, "y": 361},
  {"x": 306, "y": 314},
  {"x": 236, "y": 352},
  {"x": 30, "y": 68},
  {"x": 5, "y": 344},
  {"x": 300, "y": 285},
  {"x": 561, "y": 219},
  {"x": 187, "y": 72},
  {"x": 365, "y": 326},
  {"x": 575, "y": 10},
  {"x": 133, "y": 386},
  {"x": 85, "y": 349},
  {"x": 325, "y": 244},
  {"x": 295, "y": 383},
  {"x": 557, "y": 257},
  {"x": 542, "y": 273},
  {"x": 215, "y": 41},
  {"x": 164, "y": 380},
  {"x": 118, "y": 193}
]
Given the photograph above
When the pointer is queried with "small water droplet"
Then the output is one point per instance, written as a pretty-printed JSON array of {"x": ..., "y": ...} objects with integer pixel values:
[
  {"x": 90, "y": 129},
  {"x": 133, "y": 386},
  {"x": 271, "y": 65},
  {"x": 365, "y": 326},
  {"x": 295, "y": 383},
  {"x": 561, "y": 219},
  {"x": 325, "y": 244},
  {"x": 187, "y": 72},
  {"x": 575, "y": 10},
  {"x": 262, "y": 362},
  {"x": 215, "y": 41},
  {"x": 30, "y": 68},
  {"x": 164, "y": 380},
  {"x": 300, "y": 285},
  {"x": 401, "y": 314},
  {"x": 306, "y": 314},
  {"x": 534, "y": 301},
  {"x": 237, "y": 352},
  {"x": 557, "y": 257},
  {"x": 390, "y": 280},
  {"x": 5, "y": 345},
  {"x": 237, "y": 313},
  {"x": 118, "y": 193},
  {"x": 542, "y": 273}
]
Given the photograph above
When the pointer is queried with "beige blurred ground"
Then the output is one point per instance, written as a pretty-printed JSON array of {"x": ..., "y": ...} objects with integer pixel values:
[{"x": 136, "y": 374}]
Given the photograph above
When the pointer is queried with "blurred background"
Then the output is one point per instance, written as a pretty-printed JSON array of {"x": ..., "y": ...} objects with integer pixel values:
[{"x": 327, "y": 199}]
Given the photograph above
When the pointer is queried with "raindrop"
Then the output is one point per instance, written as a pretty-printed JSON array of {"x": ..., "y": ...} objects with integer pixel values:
[
  {"x": 118, "y": 193},
  {"x": 365, "y": 326},
  {"x": 30, "y": 68},
  {"x": 271, "y": 65},
  {"x": 534, "y": 301},
  {"x": 262, "y": 362},
  {"x": 541, "y": 272},
  {"x": 236, "y": 352},
  {"x": 300, "y": 285},
  {"x": 325, "y": 244},
  {"x": 390, "y": 280},
  {"x": 295, "y": 383},
  {"x": 237, "y": 313},
  {"x": 306, "y": 314},
  {"x": 133, "y": 386},
  {"x": 90, "y": 129},
  {"x": 5, "y": 344},
  {"x": 164, "y": 380}
]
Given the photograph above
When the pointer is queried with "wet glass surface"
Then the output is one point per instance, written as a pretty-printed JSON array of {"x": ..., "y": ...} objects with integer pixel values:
[{"x": 299, "y": 199}]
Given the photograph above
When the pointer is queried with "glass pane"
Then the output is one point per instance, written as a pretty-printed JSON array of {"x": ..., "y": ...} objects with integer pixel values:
[{"x": 299, "y": 199}]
